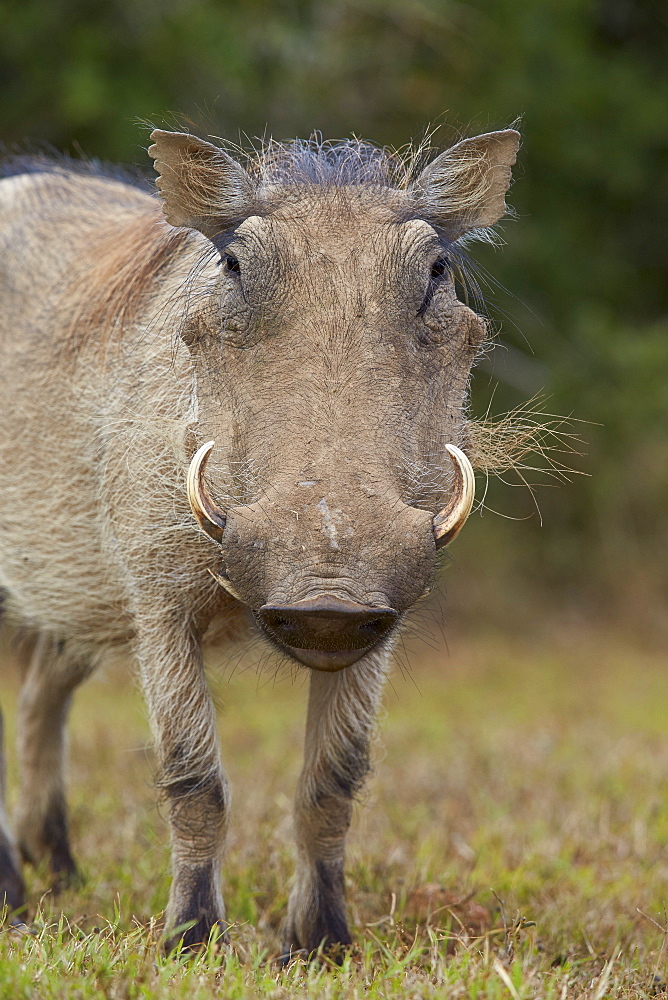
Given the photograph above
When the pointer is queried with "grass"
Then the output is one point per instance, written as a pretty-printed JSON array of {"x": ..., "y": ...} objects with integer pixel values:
[{"x": 511, "y": 844}]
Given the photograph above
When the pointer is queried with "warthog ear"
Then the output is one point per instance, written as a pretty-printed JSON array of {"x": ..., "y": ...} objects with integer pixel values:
[
  {"x": 201, "y": 186},
  {"x": 465, "y": 187}
]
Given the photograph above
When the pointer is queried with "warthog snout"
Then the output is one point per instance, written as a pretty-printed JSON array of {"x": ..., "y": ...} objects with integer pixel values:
[{"x": 326, "y": 632}]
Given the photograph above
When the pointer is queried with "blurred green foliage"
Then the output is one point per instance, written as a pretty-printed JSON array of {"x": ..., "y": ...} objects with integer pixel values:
[{"x": 585, "y": 317}]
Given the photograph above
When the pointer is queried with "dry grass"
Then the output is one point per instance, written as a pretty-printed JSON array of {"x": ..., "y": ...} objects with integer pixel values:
[{"x": 513, "y": 841}]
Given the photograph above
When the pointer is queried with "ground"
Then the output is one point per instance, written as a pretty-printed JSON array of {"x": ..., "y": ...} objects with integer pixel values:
[{"x": 511, "y": 843}]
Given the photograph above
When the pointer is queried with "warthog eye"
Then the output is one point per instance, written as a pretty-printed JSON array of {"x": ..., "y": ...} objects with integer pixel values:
[
  {"x": 232, "y": 264},
  {"x": 439, "y": 267}
]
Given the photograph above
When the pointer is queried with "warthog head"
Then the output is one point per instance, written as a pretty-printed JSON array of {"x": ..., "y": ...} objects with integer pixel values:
[{"x": 332, "y": 359}]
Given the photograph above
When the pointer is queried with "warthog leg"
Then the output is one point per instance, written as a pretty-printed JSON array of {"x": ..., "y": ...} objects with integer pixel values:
[
  {"x": 191, "y": 778},
  {"x": 341, "y": 715},
  {"x": 12, "y": 890},
  {"x": 52, "y": 674}
]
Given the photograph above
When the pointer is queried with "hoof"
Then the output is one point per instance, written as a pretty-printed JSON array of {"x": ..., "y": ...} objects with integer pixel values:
[
  {"x": 291, "y": 954},
  {"x": 65, "y": 873},
  {"x": 185, "y": 940},
  {"x": 12, "y": 889},
  {"x": 17, "y": 928},
  {"x": 328, "y": 948}
]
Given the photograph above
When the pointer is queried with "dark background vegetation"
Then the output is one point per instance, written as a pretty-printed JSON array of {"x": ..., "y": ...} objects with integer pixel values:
[{"x": 580, "y": 290}]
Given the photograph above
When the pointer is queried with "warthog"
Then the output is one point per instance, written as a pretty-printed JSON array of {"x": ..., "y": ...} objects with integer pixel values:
[{"x": 293, "y": 321}]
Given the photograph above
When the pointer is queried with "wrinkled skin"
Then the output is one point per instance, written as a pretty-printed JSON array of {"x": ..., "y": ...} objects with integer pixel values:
[{"x": 304, "y": 317}]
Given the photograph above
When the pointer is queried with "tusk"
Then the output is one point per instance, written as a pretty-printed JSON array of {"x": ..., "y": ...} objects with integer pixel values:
[
  {"x": 225, "y": 584},
  {"x": 452, "y": 518},
  {"x": 211, "y": 518}
]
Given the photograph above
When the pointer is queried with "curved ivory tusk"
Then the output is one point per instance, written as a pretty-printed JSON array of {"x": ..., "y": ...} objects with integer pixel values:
[
  {"x": 225, "y": 584},
  {"x": 452, "y": 518},
  {"x": 211, "y": 518}
]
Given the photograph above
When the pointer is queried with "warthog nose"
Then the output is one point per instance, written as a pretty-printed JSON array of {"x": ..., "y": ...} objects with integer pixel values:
[{"x": 326, "y": 623}]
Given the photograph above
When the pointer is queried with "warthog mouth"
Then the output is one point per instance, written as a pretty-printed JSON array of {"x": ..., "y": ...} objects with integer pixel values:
[
  {"x": 326, "y": 632},
  {"x": 323, "y": 659}
]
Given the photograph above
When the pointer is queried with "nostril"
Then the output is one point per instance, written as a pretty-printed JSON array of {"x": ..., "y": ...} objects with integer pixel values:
[
  {"x": 285, "y": 626},
  {"x": 376, "y": 627}
]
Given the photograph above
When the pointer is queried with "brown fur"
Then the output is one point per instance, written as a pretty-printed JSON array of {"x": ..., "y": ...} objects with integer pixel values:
[
  {"x": 304, "y": 316},
  {"x": 126, "y": 260}
]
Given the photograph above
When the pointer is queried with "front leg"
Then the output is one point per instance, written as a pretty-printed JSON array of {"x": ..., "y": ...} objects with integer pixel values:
[
  {"x": 341, "y": 715},
  {"x": 12, "y": 889},
  {"x": 53, "y": 673},
  {"x": 191, "y": 778}
]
